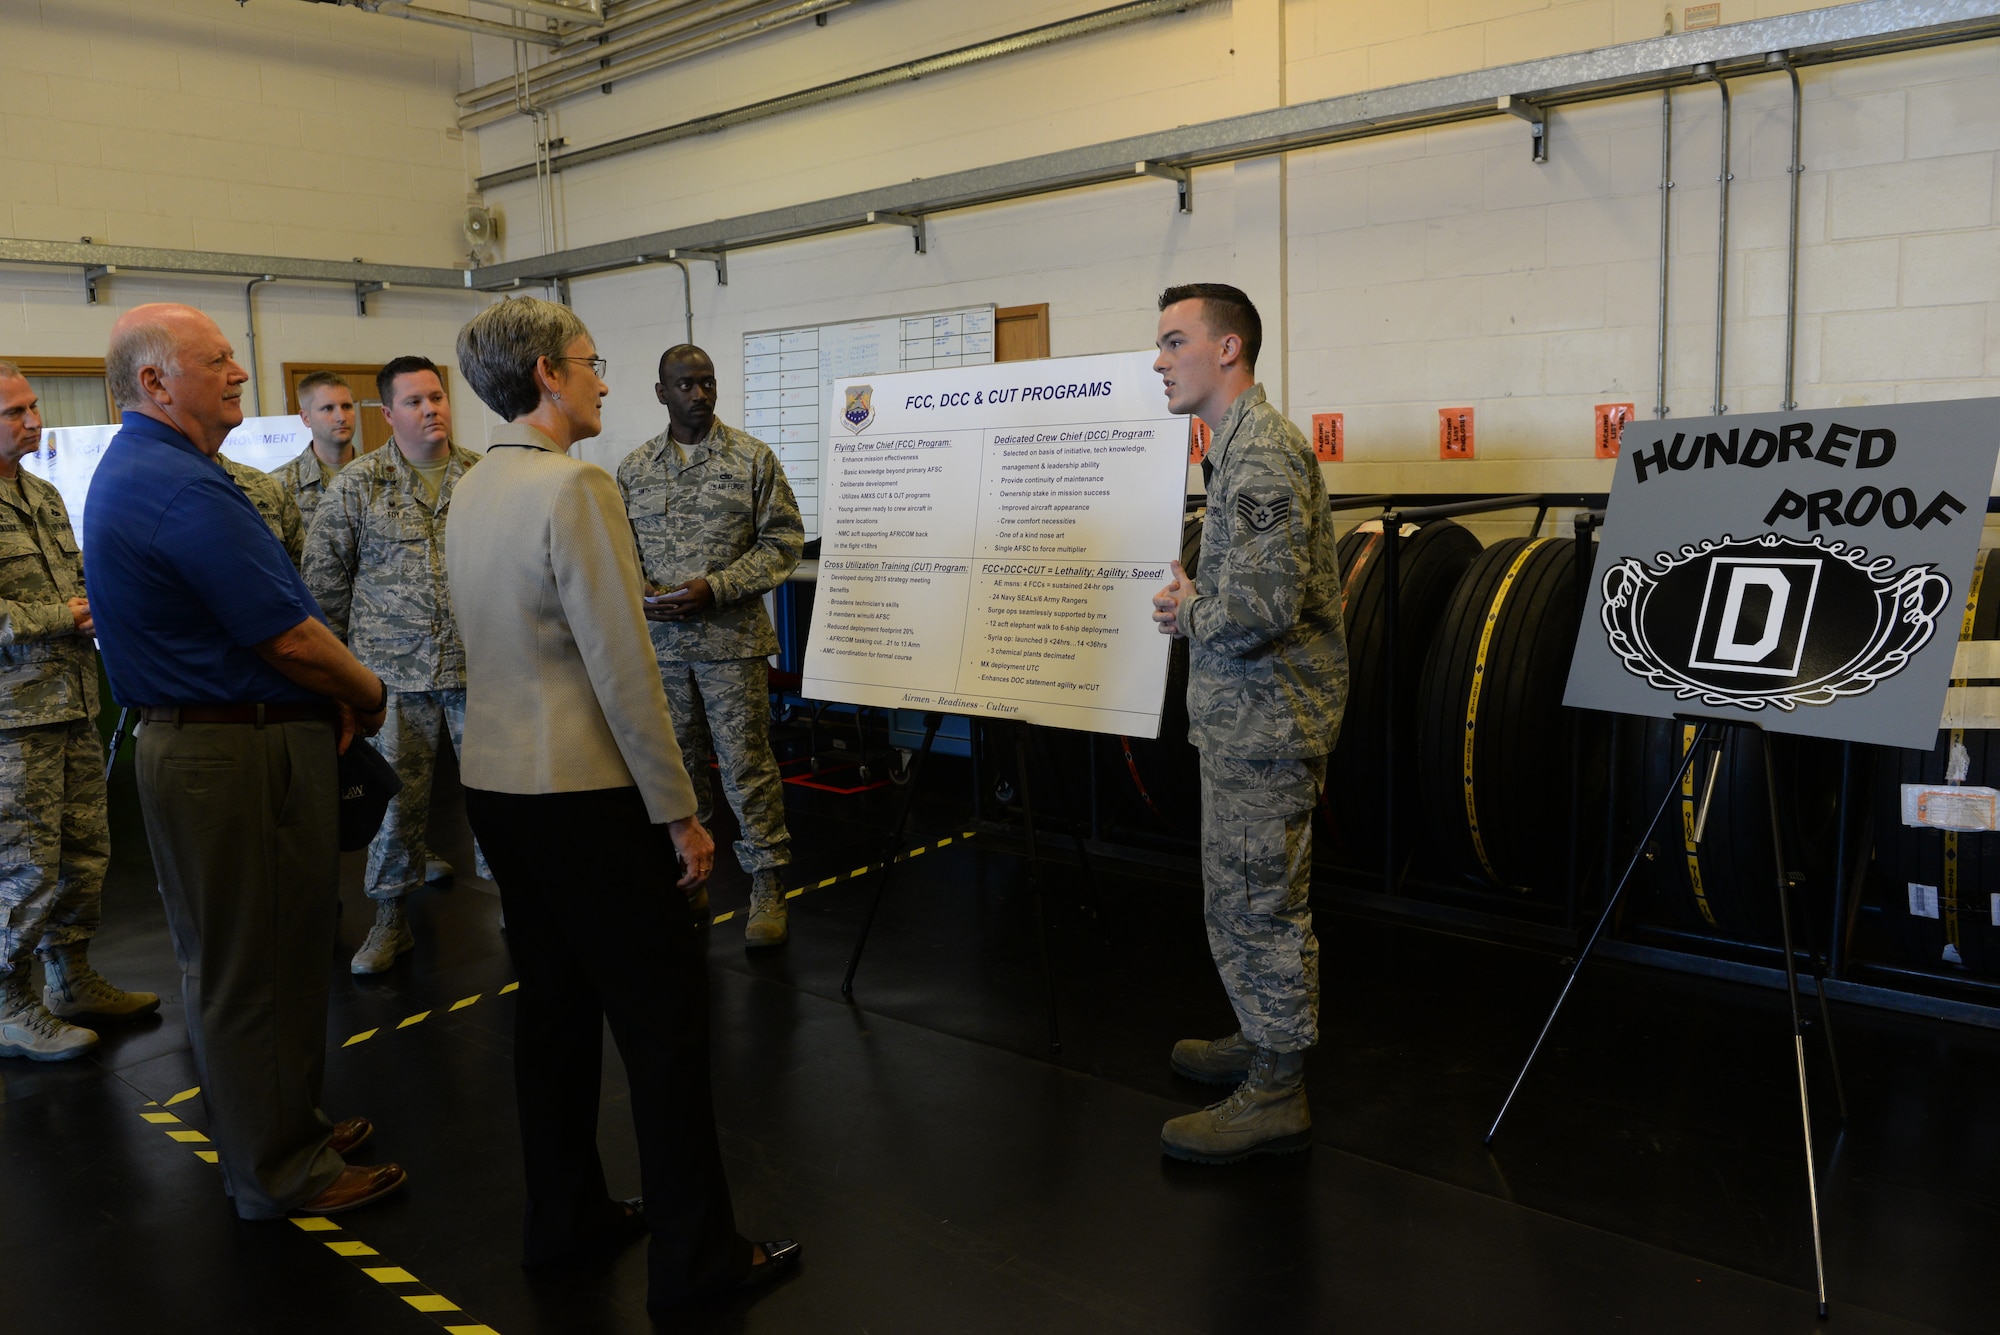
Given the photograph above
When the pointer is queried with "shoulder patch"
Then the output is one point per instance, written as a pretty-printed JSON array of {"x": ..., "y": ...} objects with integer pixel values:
[{"x": 1263, "y": 516}]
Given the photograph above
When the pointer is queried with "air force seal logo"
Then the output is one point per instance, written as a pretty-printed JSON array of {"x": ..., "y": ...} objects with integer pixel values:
[
  {"x": 860, "y": 409},
  {"x": 1769, "y": 620}
]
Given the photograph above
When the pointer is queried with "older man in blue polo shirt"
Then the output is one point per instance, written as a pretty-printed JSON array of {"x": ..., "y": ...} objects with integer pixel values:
[{"x": 246, "y": 699}]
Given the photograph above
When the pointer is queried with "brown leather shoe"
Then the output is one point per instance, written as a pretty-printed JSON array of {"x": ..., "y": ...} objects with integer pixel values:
[
  {"x": 356, "y": 1187},
  {"x": 348, "y": 1135}
]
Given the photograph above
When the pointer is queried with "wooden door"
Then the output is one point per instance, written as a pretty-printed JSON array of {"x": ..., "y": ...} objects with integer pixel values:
[
  {"x": 1021, "y": 333},
  {"x": 72, "y": 389},
  {"x": 374, "y": 432}
]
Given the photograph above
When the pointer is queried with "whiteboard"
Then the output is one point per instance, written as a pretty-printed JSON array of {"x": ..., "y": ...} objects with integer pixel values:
[
  {"x": 69, "y": 455},
  {"x": 788, "y": 377}
]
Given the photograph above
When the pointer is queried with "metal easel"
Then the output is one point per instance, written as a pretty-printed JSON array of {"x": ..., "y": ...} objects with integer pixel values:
[
  {"x": 1023, "y": 743},
  {"x": 1709, "y": 732}
]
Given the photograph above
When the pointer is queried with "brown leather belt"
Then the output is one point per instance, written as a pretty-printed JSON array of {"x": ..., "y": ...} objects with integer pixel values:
[{"x": 256, "y": 715}]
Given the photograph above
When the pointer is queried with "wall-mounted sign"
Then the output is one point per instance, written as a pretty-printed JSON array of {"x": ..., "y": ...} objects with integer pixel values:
[
  {"x": 1330, "y": 437},
  {"x": 1454, "y": 433},
  {"x": 1611, "y": 419},
  {"x": 1802, "y": 571},
  {"x": 1199, "y": 437}
]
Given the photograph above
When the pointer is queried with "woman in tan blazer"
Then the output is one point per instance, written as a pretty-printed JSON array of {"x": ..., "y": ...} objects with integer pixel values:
[{"x": 575, "y": 788}]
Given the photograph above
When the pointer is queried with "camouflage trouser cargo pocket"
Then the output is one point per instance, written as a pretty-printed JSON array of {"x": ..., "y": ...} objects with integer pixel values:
[
  {"x": 418, "y": 723},
  {"x": 1256, "y": 842},
  {"x": 725, "y": 705}
]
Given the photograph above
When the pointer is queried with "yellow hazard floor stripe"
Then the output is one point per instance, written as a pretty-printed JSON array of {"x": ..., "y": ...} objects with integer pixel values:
[
  {"x": 414, "y": 1292},
  {"x": 419, "y": 1017},
  {"x": 1472, "y": 704}
]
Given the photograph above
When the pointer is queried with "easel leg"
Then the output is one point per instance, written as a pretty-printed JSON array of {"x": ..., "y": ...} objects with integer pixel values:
[
  {"x": 1798, "y": 1028},
  {"x": 1035, "y": 881},
  {"x": 1610, "y": 907},
  {"x": 1819, "y": 972},
  {"x": 931, "y": 725}
]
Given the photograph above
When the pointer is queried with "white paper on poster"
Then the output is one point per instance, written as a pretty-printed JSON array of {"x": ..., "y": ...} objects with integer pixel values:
[
  {"x": 992, "y": 537},
  {"x": 268, "y": 443},
  {"x": 68, "y": 460},
  {"x": 69, "y": 455}
]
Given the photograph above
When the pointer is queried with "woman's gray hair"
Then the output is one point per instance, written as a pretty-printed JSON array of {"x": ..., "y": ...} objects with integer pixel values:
[
  {"x": 149, "y": 344},
  {"x": 498, "y": 348}
]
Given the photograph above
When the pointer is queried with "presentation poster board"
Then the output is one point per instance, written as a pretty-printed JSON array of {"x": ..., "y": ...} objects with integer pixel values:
[
  {"x": 991, "y": 540},
  {"x": 1803, "y": 571},
  {"x": 69, "y": 455},
  {"x": 788, "y": 377}
]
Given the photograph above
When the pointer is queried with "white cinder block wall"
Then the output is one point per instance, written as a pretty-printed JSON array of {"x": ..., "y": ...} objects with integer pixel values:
[
  {"x": 1398, "y": 275},
  {"x": 274, "y": 128}
]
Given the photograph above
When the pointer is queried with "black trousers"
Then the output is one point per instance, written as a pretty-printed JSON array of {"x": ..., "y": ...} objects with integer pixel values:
[{"x": 598, "y": 931}]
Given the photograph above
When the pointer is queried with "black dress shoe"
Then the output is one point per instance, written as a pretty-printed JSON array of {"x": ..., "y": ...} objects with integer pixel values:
[
  {"x": 622, "y": 1232},
  {"x": 780, "y": 1259}
]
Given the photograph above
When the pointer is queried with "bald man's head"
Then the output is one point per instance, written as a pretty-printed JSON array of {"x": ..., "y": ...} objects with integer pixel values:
[
  {"x": 150, "y": 335},
  {"x": 172, "y": 363}
]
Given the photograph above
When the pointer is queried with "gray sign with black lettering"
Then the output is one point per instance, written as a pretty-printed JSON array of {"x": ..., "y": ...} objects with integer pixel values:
[{"x": 1802, "y": 571}]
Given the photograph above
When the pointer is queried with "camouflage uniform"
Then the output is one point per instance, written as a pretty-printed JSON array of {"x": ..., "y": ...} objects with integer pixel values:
[
  {"x": 55, "y": 839},
  {"x": 305, "y": 479},
  {"x": 280, "y": 513},
  {"x": 720, "y": 509},
  {"x": 1267, "y": 680},
  {"x": 375, "y": 561}
]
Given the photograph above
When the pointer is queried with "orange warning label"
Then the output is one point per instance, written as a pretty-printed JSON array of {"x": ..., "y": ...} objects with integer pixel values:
[
  {"x": 1611, "y": 419},
  {"x": 1330, "y": 437},
  {"x": 1455, "y": 433},
  {"x": 1198, "y": 439}
]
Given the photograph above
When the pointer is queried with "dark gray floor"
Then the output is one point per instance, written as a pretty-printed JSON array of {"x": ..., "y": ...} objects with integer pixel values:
[{"x": 947, "y": 1174}]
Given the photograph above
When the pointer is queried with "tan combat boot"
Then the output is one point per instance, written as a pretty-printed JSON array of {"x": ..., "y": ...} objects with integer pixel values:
[
  {"x": 1266, "y": 1115},
  {"x": 1225, "y": 1061},
  {"x": 388, "y": 938},
  {"x": 28, "y": 1030},
  {"x": 766, "y": 926},
  {"x": 72, "y": 990}
]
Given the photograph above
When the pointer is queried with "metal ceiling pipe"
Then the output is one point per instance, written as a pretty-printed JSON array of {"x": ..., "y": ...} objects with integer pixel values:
[
  {"x": 584, "y": 11},
  {"x": 627, "y": 16},
  {"x": 250, "y": 337},
  {"x": 735, "y": 32},
  {"x": 687, "y": 294},
  {"x": 625, "y": 41},
  {"x": 403, "y": 9},
  {"x": 1796, "y": 170},
  {"x": 1666, "y": 240},
  {"x": 1030, "y": 39},
  {"x": 1722, "y": 179}
]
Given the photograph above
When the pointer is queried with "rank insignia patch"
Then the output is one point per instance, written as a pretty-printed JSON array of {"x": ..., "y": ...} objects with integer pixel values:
[{"x": 1263, "y": 516}]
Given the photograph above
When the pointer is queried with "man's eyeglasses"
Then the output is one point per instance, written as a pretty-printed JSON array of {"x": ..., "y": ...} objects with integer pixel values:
[{"x": 597, "y": 364}]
